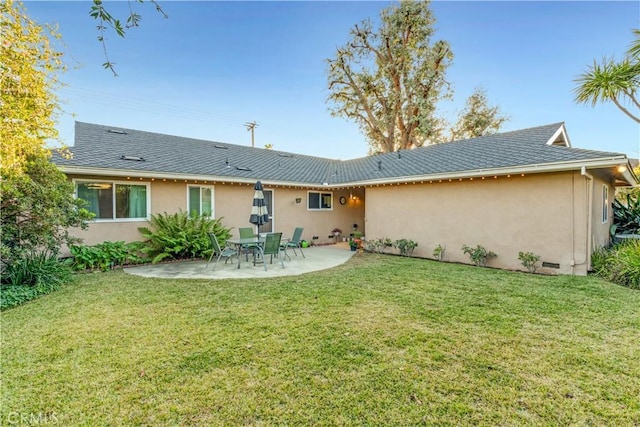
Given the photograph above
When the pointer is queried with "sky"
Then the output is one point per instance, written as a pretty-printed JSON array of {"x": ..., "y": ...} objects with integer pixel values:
[{"x": 213, "y": 66}]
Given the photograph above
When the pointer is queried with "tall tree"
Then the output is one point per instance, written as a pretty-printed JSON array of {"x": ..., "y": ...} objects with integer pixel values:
[
  {"x": 478, "y": 118},
  {"x": 29, "y": 68},
  {"x": 389, "y": 80},
  {"x": 37, "y": 204},
  {"x": 613, "y": 81}
]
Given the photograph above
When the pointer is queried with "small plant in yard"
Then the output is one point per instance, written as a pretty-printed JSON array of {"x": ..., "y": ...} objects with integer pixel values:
[
  {"x": 529, "y": 260},
  {"x": 378, "y": 245},
  {"x": 35, "y": 274},
  {"x": 438, "y": 252},
  {"x": 479, "y": 255},
  {"x": 106, "y": 255},
  {"x": 619, "y": 264},
  {"x": 405, "y": 246},
  {"x": 181, "y": 236}
]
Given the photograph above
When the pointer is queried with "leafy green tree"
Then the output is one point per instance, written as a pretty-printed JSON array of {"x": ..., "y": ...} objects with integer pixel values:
[
  {"x": 29, "y": 67},
  {"x": 390, "y": 80},
  {"x": 613, "y": 81},
  {"x": 37, "y": 205},
  {"x": 478, "y": 118}
]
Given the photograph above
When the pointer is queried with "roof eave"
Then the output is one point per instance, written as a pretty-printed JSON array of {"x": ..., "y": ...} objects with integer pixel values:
[
  {"x": 127, "y": 173},
  {"x": 479, "y": 173}
]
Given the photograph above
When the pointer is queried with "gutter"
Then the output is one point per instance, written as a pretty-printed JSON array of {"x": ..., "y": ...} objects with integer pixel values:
[{"x": 589, "y": 177}]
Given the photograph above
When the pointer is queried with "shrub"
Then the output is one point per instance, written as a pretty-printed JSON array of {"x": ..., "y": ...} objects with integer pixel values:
[
  {"x": 438, "y": 252},
  {"x": 479, "y": 255},
  {"x": 378, "y": 245},
  {"x": 181, "y": 236},
  {"x": 529, "y": 260},
  {"x": 106, "y": 255},
  {"x": 619, "y": 264},
  {"x": 626, "y": 214},
  {"x": 26, "y": 278},
  {"x": 405, "y": 246}
]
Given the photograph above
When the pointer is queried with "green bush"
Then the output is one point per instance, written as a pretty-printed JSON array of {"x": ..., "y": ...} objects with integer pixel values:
[
  {"x": 26, "y": 278},
  {"x": 619, "y": 264},
  {"x": 181, "y": 236},
  {"x": 106, "y": 255},
  {"x": 479, "y": 255},
  {"x": 405, "y": 246},
  {"x": 626, "y": 214},
  {"x": 529, "y": 260},
  {"x": 378, "y": 245}
]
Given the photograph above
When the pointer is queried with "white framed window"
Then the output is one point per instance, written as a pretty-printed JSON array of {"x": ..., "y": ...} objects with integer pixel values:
[
  {"x": 200, "y": 200},
  {"x": 115, "y": 200},
  {"x": 605, "y": 203},
  {"x": 319, "y": 201}
]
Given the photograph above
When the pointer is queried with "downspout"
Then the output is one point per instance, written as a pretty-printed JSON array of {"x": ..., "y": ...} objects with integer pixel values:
[{"x": 583, "y": 172}]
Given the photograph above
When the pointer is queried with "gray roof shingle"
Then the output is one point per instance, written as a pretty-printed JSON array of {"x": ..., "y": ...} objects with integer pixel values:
[{"x": 98, "y": 146}]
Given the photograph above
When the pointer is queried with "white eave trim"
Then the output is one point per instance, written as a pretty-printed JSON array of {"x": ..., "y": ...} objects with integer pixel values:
[
  {"x": 102, "y": 172},
  {"x": 526, "y": 169}
]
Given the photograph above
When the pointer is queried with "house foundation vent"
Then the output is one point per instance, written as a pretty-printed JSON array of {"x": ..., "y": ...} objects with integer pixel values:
[{"x": 551, "y": 265}]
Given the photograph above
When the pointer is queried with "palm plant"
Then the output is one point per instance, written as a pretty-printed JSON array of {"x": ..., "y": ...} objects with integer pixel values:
[{"x": 613, "y": 81}]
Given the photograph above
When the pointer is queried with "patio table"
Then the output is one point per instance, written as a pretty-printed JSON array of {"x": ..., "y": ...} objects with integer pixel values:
[{"x": 256, "y": 240}]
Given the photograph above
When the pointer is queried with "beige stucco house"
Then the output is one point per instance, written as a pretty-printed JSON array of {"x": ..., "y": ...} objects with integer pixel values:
[{"x": 526, "y": 190}]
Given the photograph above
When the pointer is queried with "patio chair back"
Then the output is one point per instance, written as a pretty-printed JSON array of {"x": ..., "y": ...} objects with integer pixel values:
[
  {"x": 226, "y": 252},
  {"x": 214, "y": 243},
  {"x": 246, "y": 232},
  {"x": 295, "y": 241},
  {"x": 271, "y": 247},
  {"x": 297, "y": 235},
  {"x": 272, "y": 244}
]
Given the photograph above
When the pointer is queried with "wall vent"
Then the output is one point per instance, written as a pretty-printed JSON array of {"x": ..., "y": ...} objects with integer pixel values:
[{"x": 550, "y": 265}]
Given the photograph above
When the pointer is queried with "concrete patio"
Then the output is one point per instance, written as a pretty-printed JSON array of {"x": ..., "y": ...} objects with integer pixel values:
[{"x": 317, "y": 258}]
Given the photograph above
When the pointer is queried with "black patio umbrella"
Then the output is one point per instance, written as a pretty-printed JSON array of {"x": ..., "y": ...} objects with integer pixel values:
[{"x": 259, "y": 213}]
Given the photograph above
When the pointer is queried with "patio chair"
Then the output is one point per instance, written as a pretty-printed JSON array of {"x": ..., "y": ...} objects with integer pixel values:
[
  {"x": 226, "y": 253},
  {"x": 247, "y": 233},
  {"x": 295, "y": 241},
  {"x": 271, "y": 247}
]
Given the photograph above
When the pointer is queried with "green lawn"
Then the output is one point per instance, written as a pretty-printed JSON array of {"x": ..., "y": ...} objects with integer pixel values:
[{"x": 381, "y": 340}]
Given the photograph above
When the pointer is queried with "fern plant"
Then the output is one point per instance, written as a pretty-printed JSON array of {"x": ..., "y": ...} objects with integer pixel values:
[{"x": 181, "y": 236}]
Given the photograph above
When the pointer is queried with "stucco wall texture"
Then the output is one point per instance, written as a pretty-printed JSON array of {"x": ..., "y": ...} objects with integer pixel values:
[{"x": 541, "y": 213}]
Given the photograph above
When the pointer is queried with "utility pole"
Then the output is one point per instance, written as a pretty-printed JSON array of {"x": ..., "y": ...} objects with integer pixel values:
[{"x": 251, "y": 127}]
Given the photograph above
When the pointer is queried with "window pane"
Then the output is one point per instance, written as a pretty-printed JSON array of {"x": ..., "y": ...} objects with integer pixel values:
[
  {"x": 206, "y": 201},
  {"x": 131, "y": 201},
  {"x": 194, "y": 201},
  {"x": 326, "y": 201},
  {"x": 99, "y": 198},
  {"x": 314, "y": 201}
]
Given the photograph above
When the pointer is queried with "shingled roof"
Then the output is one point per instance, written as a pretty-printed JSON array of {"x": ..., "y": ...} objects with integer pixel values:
[{"x": 103, "y": 150}]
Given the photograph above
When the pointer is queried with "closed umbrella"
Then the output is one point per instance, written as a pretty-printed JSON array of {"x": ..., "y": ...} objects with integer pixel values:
[{"x": 259, "y": 213}]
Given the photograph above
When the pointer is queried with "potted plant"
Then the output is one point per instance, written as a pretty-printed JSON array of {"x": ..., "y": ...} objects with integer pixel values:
[{"x": 354, "y": 244}]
